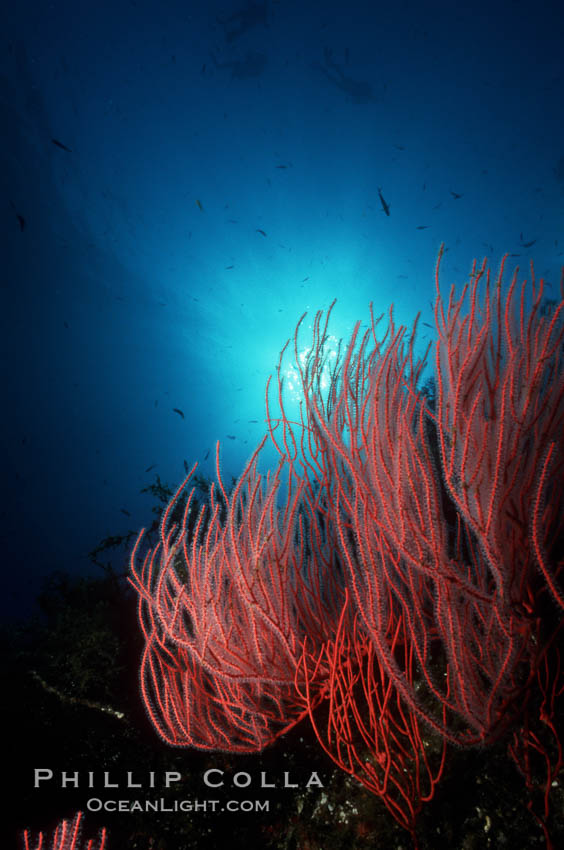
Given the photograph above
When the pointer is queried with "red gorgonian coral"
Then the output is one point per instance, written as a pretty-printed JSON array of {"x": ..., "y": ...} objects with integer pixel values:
[
  {"x": 411, "y": 576},
  {"x": 65, "y": 837}
]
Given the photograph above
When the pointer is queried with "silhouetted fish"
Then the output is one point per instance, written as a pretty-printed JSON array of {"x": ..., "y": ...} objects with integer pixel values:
[
  {"x": 526, "y": 244},
  {"x": 177, "y": 410},
  {"x": 385, "y": 206},
  {"x": 20, "y": 218},
  {"x": 61, "y": 145}
]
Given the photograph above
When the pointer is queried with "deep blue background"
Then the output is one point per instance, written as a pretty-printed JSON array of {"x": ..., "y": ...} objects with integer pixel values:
[{"x": 134, "y": 276}]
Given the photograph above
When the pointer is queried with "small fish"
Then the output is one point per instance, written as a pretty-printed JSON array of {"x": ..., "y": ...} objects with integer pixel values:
[
  {"x": 455, "y": 195},
  {"x": 61, "y": 145},
  {"x": 20, "y": 218},
  {"x": 125, "y": 512},
  {"x": 199, "y": 205},
  {"x": 281, "y": 166},
  {"x": 253, "y": 420},
  {"x": 526, "y": 244},
  {"x": 186, "y": 467},
  {"x": 207, "y": 454},
  {"x": 231, "y": 437},
  {"x": 385, "y": 206},
  {"x": 422, "y": 226},
  {"x": 229, "y": 267},
  {"x": 177, "y": 410},
  {"x": 258, "y": 230},
  {"x": 305, "y": 278},
  {"x": 427, "y": 325},
  {"x": 149, "y": 468},
  {"x": 156, "y": 402}
]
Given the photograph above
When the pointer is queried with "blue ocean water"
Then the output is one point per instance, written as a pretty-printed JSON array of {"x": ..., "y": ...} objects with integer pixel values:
[{"x": 181, "y": 181}]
